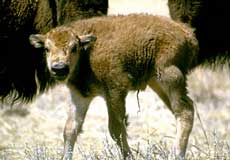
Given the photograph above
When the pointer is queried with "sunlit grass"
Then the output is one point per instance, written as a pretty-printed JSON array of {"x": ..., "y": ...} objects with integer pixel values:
[{"x": 34, "y": 132}]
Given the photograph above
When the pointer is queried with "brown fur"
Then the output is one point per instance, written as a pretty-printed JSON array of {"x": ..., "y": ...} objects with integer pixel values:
[
  {"x": 110, "y": 56},
  {"x": 208, "y": 18},
  {"x": 23, "y": 72},
  {"x": 80, "y": 9}
]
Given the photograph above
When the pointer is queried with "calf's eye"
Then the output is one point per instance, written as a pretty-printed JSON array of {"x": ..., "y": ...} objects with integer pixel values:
[
  {"x": 46, "y": 50},
  {"x": 74, "y": 48}
]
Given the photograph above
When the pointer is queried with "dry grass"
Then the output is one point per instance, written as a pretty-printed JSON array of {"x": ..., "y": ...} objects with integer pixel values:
[{"x": 34, "y": 132}]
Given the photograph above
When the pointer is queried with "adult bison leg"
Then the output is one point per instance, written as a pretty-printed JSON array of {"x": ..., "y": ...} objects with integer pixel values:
[
  {"x": 171, "y": 87},
  {"x": 118, "y": 120},
  {"x": 75, "y": 121}
]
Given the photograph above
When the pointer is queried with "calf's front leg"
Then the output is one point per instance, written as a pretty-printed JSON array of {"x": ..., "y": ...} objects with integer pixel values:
[
  {"x": 115, "y": 100},
  {"x": 75, "y": 120}
]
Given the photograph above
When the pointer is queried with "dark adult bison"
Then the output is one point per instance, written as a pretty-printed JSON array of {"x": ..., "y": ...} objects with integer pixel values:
[
  {"x": 210, "y": 19},
  {"x": 22, "y": 71}
]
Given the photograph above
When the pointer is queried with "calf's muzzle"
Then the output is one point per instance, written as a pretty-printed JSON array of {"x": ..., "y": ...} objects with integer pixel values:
[{"x": 60, "y": 70}]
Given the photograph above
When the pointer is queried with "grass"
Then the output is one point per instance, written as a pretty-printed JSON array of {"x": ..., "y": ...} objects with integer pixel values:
[
  {"x": 154, "y": 149},
  {"x": 34, "y": 131}
]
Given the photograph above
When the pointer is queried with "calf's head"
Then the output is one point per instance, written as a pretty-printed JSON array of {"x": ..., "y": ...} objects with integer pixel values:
[{"x": 62, "y": 48}]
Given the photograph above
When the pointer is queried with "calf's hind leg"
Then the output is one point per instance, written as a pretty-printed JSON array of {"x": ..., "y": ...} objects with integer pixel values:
[
  {"x": 74, "y": 122},
  {"x": 170, "y": 85},
  {"x": 115, "y": 100}
]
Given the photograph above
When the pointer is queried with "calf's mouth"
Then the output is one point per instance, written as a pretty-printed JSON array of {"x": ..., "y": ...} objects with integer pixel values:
[{"x": 60, "y": 70}]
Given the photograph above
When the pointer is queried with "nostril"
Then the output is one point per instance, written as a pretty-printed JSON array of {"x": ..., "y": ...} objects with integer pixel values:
[
  {"x": 60, "y": 69},
  {"x": 58, "y": 66}
]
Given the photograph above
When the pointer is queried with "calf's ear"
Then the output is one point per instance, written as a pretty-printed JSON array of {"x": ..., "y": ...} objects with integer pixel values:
[
  {"x": 87, "y": 40},
  {"x": 37, "y": 40}
]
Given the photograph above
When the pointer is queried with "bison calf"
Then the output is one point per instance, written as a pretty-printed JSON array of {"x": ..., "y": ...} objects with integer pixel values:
[{"x": 110, "y": 56}]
